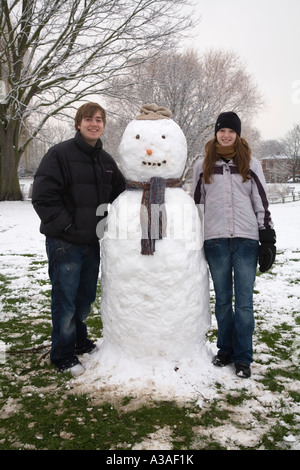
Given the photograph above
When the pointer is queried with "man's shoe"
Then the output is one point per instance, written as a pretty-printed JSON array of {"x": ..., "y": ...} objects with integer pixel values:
[
  {"x": 72, "y": 365},
  {"x": 242, "y": 370},
  {"x": 88, "y": 347},
  {"x": 76, "y": 370},
  {"x": 221, "y": 360}
]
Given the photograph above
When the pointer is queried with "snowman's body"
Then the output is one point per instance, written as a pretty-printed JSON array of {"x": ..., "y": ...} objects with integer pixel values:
[{"x": 154, "y": 308}]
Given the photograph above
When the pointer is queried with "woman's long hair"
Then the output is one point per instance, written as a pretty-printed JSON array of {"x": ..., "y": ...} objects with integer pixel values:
[{"x": 241, "y": 159}]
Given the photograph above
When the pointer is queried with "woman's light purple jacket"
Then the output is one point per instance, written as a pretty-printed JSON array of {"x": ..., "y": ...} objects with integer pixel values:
[{"x": 232, "y": 208}]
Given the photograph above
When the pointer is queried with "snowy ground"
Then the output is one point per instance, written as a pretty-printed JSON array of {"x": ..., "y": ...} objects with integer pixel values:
[{"x": 277, "y": 303}]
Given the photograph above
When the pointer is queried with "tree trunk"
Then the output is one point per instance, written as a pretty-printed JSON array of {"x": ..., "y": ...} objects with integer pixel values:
[{"x": 9, "y": 160}]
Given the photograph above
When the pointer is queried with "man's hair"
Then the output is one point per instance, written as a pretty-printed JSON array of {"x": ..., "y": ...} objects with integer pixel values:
[{"x": 88, "y": 110}]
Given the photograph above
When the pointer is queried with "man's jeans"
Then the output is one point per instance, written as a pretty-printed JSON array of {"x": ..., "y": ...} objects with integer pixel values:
[
  {"x": 235, "y": 327},
  {"x": 73, "y": 271}
]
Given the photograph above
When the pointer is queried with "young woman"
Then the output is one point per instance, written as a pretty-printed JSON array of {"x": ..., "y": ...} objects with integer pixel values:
[{"x": 238, "y": 232}]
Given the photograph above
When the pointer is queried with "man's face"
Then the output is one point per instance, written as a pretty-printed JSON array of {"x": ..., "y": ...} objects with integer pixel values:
[{"x": 91, "y": 128}]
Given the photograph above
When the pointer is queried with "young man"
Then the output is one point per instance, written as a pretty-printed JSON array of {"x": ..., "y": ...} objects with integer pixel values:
[{"x": 73, "y": 179}]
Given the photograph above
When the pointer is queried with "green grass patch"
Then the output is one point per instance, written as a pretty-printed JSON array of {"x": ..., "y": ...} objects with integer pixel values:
[{"x": 40, "y": 409}]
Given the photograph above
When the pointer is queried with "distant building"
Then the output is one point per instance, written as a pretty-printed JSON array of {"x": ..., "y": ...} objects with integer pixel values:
[{"x": 276, "y": 168}]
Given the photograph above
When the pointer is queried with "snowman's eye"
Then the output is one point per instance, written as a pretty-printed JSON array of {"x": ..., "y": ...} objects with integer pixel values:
[
  {"x": 137, "y": 136},
  {"x": 163, "y": 136}
]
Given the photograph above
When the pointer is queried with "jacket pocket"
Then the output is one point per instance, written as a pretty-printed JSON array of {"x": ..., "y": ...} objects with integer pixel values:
[
  {"x": 213, "y": 242},
  {"x": 108, "y": 176}
]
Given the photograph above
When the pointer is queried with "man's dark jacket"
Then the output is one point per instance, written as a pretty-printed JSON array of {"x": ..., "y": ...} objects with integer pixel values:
[{"x": 72, "y": 180}]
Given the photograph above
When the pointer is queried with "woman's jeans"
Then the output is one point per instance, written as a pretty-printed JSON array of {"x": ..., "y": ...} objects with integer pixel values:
[
  {"x": 73, "y": 271},
  {"x": 233, "y": 262}
]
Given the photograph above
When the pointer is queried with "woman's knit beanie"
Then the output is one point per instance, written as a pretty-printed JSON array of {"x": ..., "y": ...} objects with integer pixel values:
[{"x": 229, "y": 120}]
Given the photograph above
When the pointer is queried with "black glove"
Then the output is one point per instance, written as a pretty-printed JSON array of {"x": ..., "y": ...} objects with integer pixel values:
[{"x": 267, "y": 249}]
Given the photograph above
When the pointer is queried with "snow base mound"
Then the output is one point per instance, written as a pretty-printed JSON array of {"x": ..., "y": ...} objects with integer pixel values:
[{"x": 190, "y": 379}]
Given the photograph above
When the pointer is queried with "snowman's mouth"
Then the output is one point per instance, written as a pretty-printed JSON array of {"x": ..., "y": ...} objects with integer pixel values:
[{"x": 154, "y": 163}]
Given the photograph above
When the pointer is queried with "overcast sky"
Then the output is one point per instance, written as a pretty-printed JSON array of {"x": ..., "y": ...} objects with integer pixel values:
[{"x": 266, "y": 36}]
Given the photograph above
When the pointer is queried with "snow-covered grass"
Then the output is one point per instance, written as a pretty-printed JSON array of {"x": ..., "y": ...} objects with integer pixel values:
[{"x": 262, "y": 412}]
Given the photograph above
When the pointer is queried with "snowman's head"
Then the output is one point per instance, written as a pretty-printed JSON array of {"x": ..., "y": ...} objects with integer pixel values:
[{"x": 152, "y": 146}]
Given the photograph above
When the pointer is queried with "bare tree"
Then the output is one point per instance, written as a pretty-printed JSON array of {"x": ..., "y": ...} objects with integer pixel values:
[
  {"x": 195, "y": 88},
  {"x": 271, "y": 147},
  {"x": 57, "y": 52},
  {"x": 291, "y": 145}
]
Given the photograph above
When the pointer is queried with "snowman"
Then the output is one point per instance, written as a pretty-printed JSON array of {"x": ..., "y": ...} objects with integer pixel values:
[{"x": 154, "y": 285}]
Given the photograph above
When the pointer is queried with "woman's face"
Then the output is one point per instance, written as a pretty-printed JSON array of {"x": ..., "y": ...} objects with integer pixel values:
[{"x": 226, "y": 136}]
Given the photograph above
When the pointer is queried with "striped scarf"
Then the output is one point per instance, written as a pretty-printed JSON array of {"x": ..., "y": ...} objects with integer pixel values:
[{"x": 153, "y": 212}]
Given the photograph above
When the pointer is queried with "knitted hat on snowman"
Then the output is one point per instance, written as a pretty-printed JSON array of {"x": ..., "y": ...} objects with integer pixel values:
[{"x": 153, "y": 112}]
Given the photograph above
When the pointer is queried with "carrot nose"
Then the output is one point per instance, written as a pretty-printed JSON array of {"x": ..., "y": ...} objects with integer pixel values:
[{"x": 149, "y": 152}]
